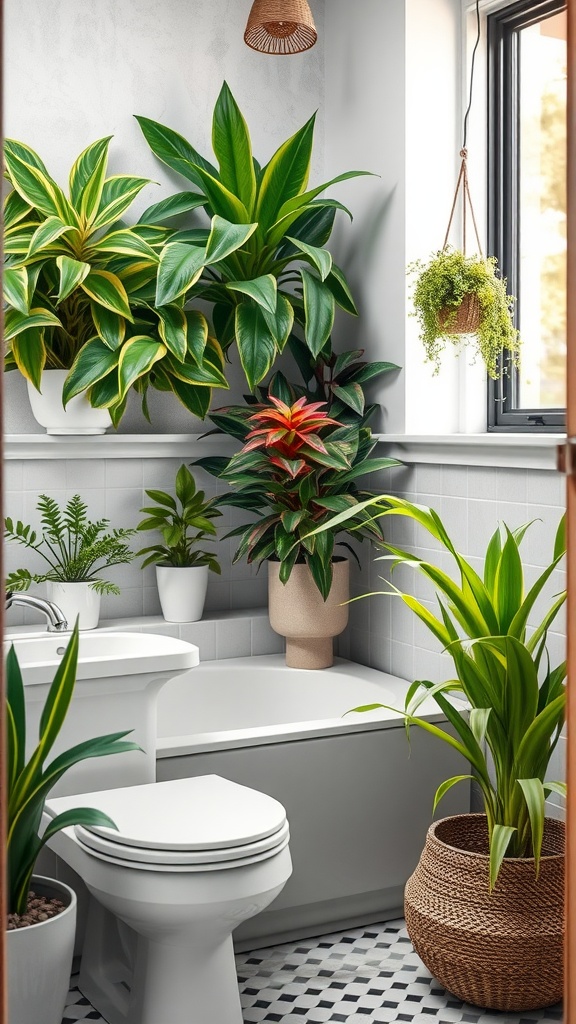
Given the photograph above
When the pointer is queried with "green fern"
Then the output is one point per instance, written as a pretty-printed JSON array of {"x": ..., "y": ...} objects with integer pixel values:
[{"x": 74, "y": 549}]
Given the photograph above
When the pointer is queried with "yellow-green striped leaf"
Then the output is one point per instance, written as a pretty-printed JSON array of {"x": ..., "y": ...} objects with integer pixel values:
[
  {"x": 172, "y": 328},
  {"x": 84, "y": 166},
  {"x": 50, "y": 229},
  {"x": 261, "y": 289},
  {"x": 29, "y": 352},
  {"x": 285, "y": 175},
  {"x": 196, "y": 334},
  {"x": 94, "y": 361},
  {"x": 233, "y": 149},
  {"x": 225, "y": 238},
  {"x": 38, "y": 189},
  {"x": 72, "y": 273},
  {"x": 15, "y": 288},
  {"x": 126, "y": 243},
  {"x": 321, "y": 258},
  {"x": 118, "y": 193},
  {"x": 15, "y": 209},
  {"x": 107, "y": 289},
  {"x": 137, "y": 357},
  {"x": 110, "y": 326},
  {"x": 180, "y": 267},
  {"x": 15, "y": 322}
]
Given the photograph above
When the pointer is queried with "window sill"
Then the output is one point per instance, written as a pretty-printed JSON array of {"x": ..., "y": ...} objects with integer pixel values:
[
  {"x": 520, "y": 451},
  {"x": 527, "y": 451}
]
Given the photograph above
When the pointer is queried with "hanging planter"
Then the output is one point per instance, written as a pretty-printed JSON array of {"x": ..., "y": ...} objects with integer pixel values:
[{"x": 461, "y": 299}]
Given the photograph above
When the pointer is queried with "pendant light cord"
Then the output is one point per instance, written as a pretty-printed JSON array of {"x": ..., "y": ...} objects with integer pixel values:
[{"x": 476, "y": 45}]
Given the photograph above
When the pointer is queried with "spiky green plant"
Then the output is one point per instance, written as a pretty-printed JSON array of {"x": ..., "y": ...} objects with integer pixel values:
[
  {"x": 74, "y": 548},
  {"x": 30, "y": 782},
  {"x": 268, "y": 268},
  {"x": 517, "y": 700},
  {"x": 184, "y": 521}
]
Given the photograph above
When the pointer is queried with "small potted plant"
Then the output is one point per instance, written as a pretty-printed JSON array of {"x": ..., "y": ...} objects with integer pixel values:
[
  {"x": 460, "y": 298},
  {"x": 502, "y": 948},
  {"x": 41, "y": 920},
  {"x": 75, "y": 551},
  {"x": 297, "y": 467},
  {"x": 184, "y": 521},
  {"x": 83, "y": 322}
]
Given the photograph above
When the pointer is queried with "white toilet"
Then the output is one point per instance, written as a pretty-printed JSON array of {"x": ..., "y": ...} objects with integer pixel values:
[{"x": 191, "y": 860}]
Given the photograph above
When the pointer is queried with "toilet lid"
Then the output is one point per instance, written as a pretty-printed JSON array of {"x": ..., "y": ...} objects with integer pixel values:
[{"x": 207, "y": 813}]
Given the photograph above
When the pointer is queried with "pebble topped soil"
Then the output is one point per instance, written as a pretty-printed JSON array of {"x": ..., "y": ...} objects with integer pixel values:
[{"x": 39, "y": 909}]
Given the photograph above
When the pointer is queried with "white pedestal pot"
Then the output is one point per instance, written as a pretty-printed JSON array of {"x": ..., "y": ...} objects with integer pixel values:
[
  {"x": 182, "y": 591},
  {"x": 39, "y": 960},
  {"x": 77, "y": 418},
  {"x": 76, "y": 599}
]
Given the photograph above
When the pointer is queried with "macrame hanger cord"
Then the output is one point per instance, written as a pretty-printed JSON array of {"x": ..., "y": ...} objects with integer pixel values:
[{"x": 463, "y": 182}]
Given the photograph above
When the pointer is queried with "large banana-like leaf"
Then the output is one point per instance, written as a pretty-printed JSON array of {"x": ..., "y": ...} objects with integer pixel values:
[
  {"x": 233, "y": 149},
  {"x": 285, "y": 176},
  {"x": 174, "y": 150}
]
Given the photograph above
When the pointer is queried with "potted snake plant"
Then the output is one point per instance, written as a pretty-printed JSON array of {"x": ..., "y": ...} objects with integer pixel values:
[
  {"x": 296, "y": 468},
  {"x": 83, "y": 323},
  {"x": 503, "y": 947},
  {"x": 42, "y": 911},
  {"x": 184, "y": 521}
]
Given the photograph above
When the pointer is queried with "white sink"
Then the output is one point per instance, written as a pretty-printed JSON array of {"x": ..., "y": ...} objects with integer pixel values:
[
  {"x": 101, "y": 654},
  {"x": 117, "y": 684}
]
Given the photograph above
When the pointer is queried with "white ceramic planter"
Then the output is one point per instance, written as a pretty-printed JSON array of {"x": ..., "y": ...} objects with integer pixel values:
[
  {"x": 77, "y": 418},
  {"x": 76, "y": 599},
  {"x": 39, "y": 961},
  {"x": 182, "y": 591}
]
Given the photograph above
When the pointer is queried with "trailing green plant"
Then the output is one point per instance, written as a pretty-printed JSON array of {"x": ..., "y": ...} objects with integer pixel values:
[
  {"x": 269, "y": 267},
  {"x": 184, "y": 522},
  {"x": 80, "y": 289},
  {"x": 29, "y": 782},
  {"x": 296, "y": 468},
  {"x": 439, "y": 289},
  {"x": 517, "y": 700},
  {"x": 74, "y": 548}
]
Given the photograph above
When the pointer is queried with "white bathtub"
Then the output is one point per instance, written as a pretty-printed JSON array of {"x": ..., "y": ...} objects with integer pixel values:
[{"x": 358, "y": 796}]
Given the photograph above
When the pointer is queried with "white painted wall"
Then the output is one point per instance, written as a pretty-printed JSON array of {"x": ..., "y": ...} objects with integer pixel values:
[{"x": 76, "y": 70}]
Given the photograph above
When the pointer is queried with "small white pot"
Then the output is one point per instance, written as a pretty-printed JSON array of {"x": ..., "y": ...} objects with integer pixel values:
[
  {"x": 76, "y": 599},
  {"x": 77, "y": 418},
  {"x": 182, "y": 591},
  {"x": 39, "y": 961}
]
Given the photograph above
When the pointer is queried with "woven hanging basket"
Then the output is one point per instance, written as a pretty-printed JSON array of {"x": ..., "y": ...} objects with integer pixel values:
[
  {"x": 463, "y": 320},
  {"x": 501, "y": 950},
  {"x": 280, "y": 26}
]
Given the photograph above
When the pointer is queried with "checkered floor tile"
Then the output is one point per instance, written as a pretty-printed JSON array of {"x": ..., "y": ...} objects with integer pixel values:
[{"x": 367, "y": 976}]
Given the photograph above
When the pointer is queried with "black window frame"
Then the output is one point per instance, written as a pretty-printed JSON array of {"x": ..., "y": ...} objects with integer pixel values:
[{"x": 503, "y": 147}]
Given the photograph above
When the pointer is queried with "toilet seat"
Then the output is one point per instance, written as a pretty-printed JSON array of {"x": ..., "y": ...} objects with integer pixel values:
[{"x": 205, "y": 823}]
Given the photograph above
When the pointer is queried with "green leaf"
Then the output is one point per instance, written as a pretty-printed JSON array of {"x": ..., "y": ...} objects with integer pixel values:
[
  {"x": 107, "y": 289},
  {"x": 94, "y": 361},
  {"x": 223, "y": 202},
  {"x": 445, "y": 786},
  {"x": 534, "y": 796},
  {"x": 72, "y": 273},
  {"x": 173, "y": 206},
  {"x": 137, "y": 357},
  {"x": 261, "y": 289},
  {"x": 499, "y": 843},
  {"x": 91, "y": 192},
  {"x": 225, "y": 238},
  {"x": 118, "y": 193},
  {"x": 85, "y": 165},
  {"x": 180, "y": 267},
  {"x": 196, "y": 334},
  {"x": 282, "y": 321},
  {"x": 15, "y": 288},
  {"x": 292, "y": 209},
  {"x": 37, "y": 188},
  {"x": 125, "y": 243},
  {"x": 321, "y": 258},
  {"x": 110, "y": 326},
  {"x": 48, "y": 232},
  {"x": 351, "y": 395},
  {"x": 285, "y": 176},
  {"x": 172, "y": 328},
  {"x": 15, "y": 209},
  {"x": 319, "y": 310},
  {"x": 174, "y": 150},
  {"x": 29, "y": 353},
  {"x": 508, "y": 583},
  {"x": 232, "y": 146},
  {"x": 256, "y": 343},
  {"x": 15, "y": 322},
  {"x": 340, "y": 289},
  {"x": 560, "y": 539}
]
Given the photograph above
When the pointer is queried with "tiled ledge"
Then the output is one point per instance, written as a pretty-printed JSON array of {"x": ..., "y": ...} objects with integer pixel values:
[
  {"x": 527, "y": 451},
  {"x": 228, "y": 634}
]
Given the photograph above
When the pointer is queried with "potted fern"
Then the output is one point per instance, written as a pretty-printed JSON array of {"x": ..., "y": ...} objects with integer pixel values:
[
  {"x": 74, "y": 550},
  {"x": 41, "y": 920},
  {"x": 459, "y": 298},
  {"x": 184, "y": 522}
]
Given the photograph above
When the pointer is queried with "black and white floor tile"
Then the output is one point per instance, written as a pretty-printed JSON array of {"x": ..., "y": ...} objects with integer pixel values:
[{"x": 370, "y": 975}]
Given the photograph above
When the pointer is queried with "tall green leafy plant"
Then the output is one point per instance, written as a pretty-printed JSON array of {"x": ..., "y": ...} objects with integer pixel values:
[
  {"x": 516, "y": 698},
  {"x": 80, "y": 289},
  {"x": 184, "y": 521},
  {"x": 29, "y": 782},
  {"x": 73, "y": 548},
  {"x": 263, "y": 264}
]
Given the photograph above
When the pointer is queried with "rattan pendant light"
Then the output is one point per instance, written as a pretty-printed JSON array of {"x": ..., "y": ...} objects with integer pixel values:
[{"x": 280, "y": 26}]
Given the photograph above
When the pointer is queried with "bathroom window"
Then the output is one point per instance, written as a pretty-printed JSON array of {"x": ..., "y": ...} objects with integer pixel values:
[{"x": 527, "y": 205}]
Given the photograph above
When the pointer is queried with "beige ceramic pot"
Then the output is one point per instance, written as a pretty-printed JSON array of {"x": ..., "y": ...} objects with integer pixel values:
[{"x": 298, "y": 611}]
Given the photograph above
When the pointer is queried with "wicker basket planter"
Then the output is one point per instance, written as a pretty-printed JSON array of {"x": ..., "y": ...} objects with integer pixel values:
[
  {"x": 467, "y": 318},
  {"x": 501, "y": 950}
]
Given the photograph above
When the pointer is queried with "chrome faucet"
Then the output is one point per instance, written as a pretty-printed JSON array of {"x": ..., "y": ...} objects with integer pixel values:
[{"x": 56, "y": 621}]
